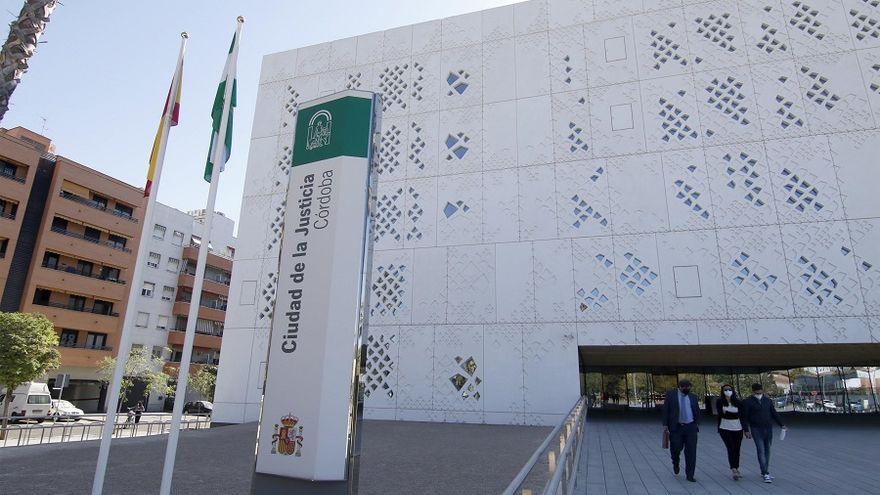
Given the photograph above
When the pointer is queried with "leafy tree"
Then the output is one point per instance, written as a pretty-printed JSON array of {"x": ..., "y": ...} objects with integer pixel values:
[
  {"x": 141, "y": 365},
  {"x": 203, "y": 381},
  {"x": 28, "y": 349}
]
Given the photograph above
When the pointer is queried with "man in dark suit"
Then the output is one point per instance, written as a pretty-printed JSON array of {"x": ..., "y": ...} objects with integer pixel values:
[{"x": 681, "y": 418}]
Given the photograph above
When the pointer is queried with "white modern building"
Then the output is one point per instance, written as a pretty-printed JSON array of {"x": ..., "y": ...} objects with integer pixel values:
[
  {"x": 163, "y": 306},
  {"x": 570, "y": 182}
]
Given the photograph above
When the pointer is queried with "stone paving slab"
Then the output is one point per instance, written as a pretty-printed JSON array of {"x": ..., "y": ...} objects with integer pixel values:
[
  {"x": 398, "y": 458},
  {"x": 820, "y": 454}
]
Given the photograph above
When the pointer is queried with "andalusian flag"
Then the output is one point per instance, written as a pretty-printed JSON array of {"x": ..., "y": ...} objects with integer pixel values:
[
  {"x": 222, "y": 106},
  {"x": 170, "y": 114}
]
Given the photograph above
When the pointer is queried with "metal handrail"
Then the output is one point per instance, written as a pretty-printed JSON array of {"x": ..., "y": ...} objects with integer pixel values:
[
  {"x": 78, "y": 271},
  {"x": 8, "y": 215},
  {"x": 111, "y": 245},
  {"x": 578, "y": 411},
  {"x": 9, "y": 176},
  {"x": 89, "y": 429},
  {"x": 96, "y": 205},
  {"x": 71, "y": 307}
]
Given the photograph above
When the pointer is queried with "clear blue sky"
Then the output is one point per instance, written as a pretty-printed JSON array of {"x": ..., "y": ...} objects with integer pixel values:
[{"x": 101, "y": 73}]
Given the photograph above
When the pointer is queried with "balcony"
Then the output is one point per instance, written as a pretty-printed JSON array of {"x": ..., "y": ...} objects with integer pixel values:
[
  {"x": 202, "y": 339},
  {"x": 7, "y": 214},
  {"x": 214, "y": 259},
  {"x": 96, "y": 205},
  {"x": 111, "y": 245},
  {"x": 81, "y": 356},
  {"x": 6, "y": 175},
  {"x": 67, "y": 278},
  {"x": 81, "y": 309},
  {"x": 212, "y": 286},
  {"x": 181, "y": 308},
  {"x": 76, "y": 271},
  {"x": 83, "y": 345}
]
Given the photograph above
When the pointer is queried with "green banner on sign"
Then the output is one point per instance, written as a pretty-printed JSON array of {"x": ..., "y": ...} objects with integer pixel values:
[{"x": 334, "y": 128}]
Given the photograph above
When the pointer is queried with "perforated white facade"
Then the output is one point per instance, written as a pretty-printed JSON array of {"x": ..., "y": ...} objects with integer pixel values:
[{"x": 585, "y": 172}]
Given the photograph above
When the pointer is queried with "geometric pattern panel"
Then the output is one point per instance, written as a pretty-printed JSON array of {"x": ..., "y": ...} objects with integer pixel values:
[{"x": 754, "y": 272}]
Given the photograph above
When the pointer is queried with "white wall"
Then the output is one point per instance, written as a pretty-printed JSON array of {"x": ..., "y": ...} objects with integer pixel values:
[{"x": 576, "y": 172}]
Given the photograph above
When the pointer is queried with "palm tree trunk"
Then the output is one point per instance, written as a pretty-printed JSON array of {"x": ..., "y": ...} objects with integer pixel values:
[{"x": 21, "y": 45}]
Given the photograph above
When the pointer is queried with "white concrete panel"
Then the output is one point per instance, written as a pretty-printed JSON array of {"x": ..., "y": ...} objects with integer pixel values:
[
  {"x": 391, "y": 287},
  {"x": 531, "y": 16},
  {"x": 616, "y": 121},
  {"x": 715, "y": 34},
  {"x": 459, "y": 205},
  {"x": 606, "y": 333},
  {"x": 595, "y": 286},
  {"x": 460, "y": 141},
  {"x": 666, "y": 333},
  {"x": 498, "y": 23},
  {"x": 688, "y": 197},
  {"x": 570, "y": 12},
  {"x": 637, "y": 272},
  {"x": 532, "y": 65},
  {"x": 503, "y": 370},
  {"x": 515, "y": 279},
  {"x": 537, "y": 202},
  {"x": 554, "y": 280},
  {"x": 415, "y": 369},
  {"x": 420, "y": 219},
  {"x": 782, "y": 331},
  {"x": 662, "y": 44},
  {"x": 672, "y": 119},
  {"x": 458, "y": 368},
  {"x": 571, "y": 126},
  {"x": 499, "y": 70},
  {"x": 461, "y": 74},
  {"x": 499, "y": 135},
  {"x": 380, "y": 368},
  {"x": 610, "y": 52},
  {"x": 583, "y": 205},
  {"x": 500, "y": 210},
  {"x": 804, "y": 182},
  {"x": 638, "y": 197},
  {"x": 715, "y": 332},
  {"x": 429, "y": 286},
  {"x": 462, "y": 30},
  {"x": 550, "y": 356},
  {"x": 427, "y": 36},
  {"x": 421, "y": 154},
  {"x": 568, "y": 63},
  {"x": 278, "y": 66},
  {"x": 425, "y": 88},
  {"x": 534, "y": 131},
  {"x": 388, "y": 216},
  {"x": 853, "y": 330},
  {"x": 691, "y": 275},
  {"x": 855, "y": 160},
  {"x": 739, "y": 179},
  {"x": 343, "y": 53},
  {"x": 866, "y": 245},
  {"x": 471, "y": 284}
]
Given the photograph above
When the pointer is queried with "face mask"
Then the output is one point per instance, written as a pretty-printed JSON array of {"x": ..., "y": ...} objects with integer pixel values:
[
  {"x": 686, "y": 390},
  {"x": 759, "y": 396},
  {"x": 728, "y": 393}
]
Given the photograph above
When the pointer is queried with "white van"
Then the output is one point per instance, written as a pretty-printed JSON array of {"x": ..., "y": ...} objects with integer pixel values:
[{"x": 30, "y": 399}]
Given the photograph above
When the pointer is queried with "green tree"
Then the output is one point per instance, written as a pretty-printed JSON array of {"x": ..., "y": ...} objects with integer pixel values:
[
  {"x": 141, "y": 365},
  {"x": 203, "y": 381},
  {"x": 28, "y": 349}
]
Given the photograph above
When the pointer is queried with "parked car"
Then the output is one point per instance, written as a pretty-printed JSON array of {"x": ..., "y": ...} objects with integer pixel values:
[
  {"x": 829, "y": 405},
  {"x": 198, "y": 407},
  {"x": 30, "y": 400},
  {"x": 64, "y": 410}
]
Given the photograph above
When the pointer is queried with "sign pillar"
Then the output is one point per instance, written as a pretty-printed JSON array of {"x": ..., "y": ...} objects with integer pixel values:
[{"x": 309, "y": 423}]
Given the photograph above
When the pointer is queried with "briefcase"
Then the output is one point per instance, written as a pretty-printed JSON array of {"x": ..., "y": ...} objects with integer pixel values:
[{"x": 665, "y": 439}]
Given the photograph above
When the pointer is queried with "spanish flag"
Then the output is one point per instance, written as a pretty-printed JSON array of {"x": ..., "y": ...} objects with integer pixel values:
[{"x": 170, "y": 114}]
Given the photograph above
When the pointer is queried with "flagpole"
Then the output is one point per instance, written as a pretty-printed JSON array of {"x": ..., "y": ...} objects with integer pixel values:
[
  {"x": 124, "y": 346},
  {"x": 195, "y": 302}
]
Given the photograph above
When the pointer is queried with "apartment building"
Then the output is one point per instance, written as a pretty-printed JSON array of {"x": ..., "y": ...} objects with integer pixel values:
[
  {"x": 166, "y": 290},
  {"x": 75, "y": 244}
]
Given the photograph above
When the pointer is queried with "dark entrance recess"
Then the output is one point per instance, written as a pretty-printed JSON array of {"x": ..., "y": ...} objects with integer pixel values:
[{"x": 827, "y": 378}]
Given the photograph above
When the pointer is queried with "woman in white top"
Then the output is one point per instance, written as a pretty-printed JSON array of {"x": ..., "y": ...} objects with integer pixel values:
[{"x": 730, "y": 426}]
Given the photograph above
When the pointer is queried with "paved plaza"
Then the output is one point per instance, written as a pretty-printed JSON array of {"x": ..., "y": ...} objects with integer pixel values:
[
  {"x": 398, "y": 458},
  {"x": 820, "y": 455}
]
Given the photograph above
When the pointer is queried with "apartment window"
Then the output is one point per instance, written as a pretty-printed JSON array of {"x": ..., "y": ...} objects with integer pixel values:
[
  {"x": 50, "y": 260},
  {"x": 8, "y": 209},
  {"x": 153, "y": 260},
  {"x": 42, "y": 296},
  {"x": 92, "y": 234},
  {"x": 167, "y": 293},
  {"x": 162, "y": 322},
  {"x": 195, "y": 240},
  {"x": 230, "y": 251},
  {"x": 77, "y": 303},
  {"x": 177, "y": 238},
  {"x": 103, "y": 307},
  {"x": 4, "y": 244},
  {"x": 148, "y": 289},
  {"x": 68, "y": 338},
  {"x": 159, "y": 231},
  {"x": 8, "y": 169},
  {"x": 124, "y": 210},
  {"x": 143, "y": 319},
  {"x": 59, "y": 224},
  {"x": 101, "y": 201},
  {"x": 84, "y": 267},
  {"x": 172, "y": 265},
  {"x": 158, "y": 350},
  {"x": 110, "y": 273},
  {"x": 96, "y": 340},
  {"x": 116, "y": 241}
]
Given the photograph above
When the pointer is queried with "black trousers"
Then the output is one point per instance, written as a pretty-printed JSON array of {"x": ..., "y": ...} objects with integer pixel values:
[
  {"x": 732, "y": 440},
  {"x": 684, "y": 437}
]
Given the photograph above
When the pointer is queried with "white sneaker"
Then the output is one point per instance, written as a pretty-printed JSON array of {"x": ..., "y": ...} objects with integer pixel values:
[{"x": 768, "y": 479}]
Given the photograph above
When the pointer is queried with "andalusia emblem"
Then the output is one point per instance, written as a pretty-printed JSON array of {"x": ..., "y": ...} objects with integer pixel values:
[
  {"x": 320, "y": 126},
  {"x": 288, "y": 438}
]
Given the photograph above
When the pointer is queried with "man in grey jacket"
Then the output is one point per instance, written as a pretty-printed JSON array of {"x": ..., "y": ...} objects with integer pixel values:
[{"x": 758, "y": 419}]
